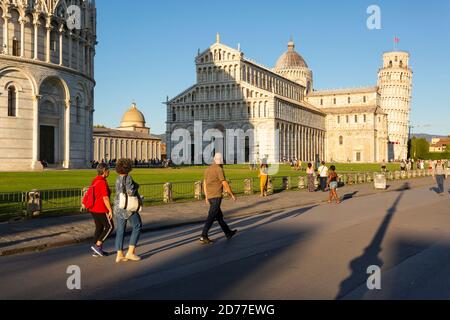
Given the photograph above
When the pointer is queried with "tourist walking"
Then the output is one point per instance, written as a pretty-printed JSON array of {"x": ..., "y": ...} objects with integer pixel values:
[
  {"x": 439, "y": 175},
  {"x": 333, "y": 184},
  {"x": 100, "y": 208},
  {"x": 213, "y": 186},
  {"x": 125, "y": 185},
  {"x": 263, "y": 179},
  {"x": 311, "y": 178},
  {"x": 403, "y": 165},
  {"x": 323, "y": 176}
]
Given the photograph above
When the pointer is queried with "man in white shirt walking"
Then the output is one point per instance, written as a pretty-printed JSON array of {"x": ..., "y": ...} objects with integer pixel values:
[{"x": 323, "y": 176}]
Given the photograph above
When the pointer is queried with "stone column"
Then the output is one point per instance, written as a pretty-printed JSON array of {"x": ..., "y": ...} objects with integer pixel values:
[
  {"x": 22, "y": 37},
  {"x": 316, "y": 144},
  {"x": 61, "y": 60},
  {"x": 47, "y": 41},
  {"x": 77, "y": 55},
  {"x": 95, "y": 149},
  {"x": 70, "y": 48},
  {"x": 36, "y": 38},
  {"x": 36, "y": 165},
  {"x": 67, "y": 135},
  {"x": 6, "y": 33}
]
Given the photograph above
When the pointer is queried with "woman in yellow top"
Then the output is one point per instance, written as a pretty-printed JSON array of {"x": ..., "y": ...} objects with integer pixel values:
[{"x": 264, "y": 179}]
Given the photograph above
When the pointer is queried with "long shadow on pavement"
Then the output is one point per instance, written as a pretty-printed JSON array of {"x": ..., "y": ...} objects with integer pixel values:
[
  {"x": 194, "y": 274},
  {"x": 253, "y": 222},
  {"x": 370, "y": 257}
]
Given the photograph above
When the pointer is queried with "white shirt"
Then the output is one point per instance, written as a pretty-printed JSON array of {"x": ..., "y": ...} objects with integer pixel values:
[{"x": 323, "y": 171}]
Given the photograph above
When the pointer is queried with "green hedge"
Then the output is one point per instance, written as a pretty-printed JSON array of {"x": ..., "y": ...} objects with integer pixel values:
[{"x": 438, "y": 156}]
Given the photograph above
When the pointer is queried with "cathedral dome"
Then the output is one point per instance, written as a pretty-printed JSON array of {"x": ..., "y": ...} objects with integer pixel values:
[
  {"x": 133, "y": 118},
  {"x": 290, "y": 59}
]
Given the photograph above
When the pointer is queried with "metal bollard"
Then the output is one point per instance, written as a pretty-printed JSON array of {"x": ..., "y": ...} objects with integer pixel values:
[
  {"x": 270, "y": 187},
  {"x": 198, "y": 190},
  {"x": 301, "y": 183},
  {"x": 350, "y": 179},
  {"x": 361, "y": 179},
  {"x": 286, "y": 183},
  {"x": 168, "y": 194},
  {"x": 248, "y": 187},
  {"x": 34, "y": 203}
]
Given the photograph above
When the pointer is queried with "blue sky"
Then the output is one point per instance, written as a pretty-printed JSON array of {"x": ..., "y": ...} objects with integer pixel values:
[{"x": 147, "y": 48}]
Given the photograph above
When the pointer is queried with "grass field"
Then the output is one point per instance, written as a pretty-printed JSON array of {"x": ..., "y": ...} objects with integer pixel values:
[{"x": 63, "y": 179}]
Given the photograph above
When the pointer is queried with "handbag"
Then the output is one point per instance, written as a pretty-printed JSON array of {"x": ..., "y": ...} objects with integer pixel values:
[{"x": 130, "y": 203}]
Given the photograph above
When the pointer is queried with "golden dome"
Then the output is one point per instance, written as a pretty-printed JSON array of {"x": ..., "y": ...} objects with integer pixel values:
[
  {"x": 133, "y": 118},
  {"x": 290, "y": 59}
]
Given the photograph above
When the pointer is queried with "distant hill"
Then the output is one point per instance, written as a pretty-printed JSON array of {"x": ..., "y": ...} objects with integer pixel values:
[{"x": 428, "y": 137}]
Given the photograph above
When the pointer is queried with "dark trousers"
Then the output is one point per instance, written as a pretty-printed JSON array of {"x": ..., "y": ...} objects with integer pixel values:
[
  {"x": 215, "y": 213},
  {"x": 103, "y": 227},
  {"x": 440, "y": 183},
  {"x": 323, "y": 183}
]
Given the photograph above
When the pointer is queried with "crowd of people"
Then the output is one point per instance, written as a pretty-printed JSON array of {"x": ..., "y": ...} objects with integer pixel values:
[{"x": 136, "y": 163}]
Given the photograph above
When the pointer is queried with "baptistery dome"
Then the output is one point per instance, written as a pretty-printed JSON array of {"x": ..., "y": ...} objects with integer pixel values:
[{"x": 133, "y": 118}]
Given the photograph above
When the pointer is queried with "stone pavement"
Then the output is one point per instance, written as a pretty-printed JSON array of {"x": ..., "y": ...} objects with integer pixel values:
[{"x": 45, "y": 233}]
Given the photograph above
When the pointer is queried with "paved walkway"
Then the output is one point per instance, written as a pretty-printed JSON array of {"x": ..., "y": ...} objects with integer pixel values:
[
  {"x": 310, "y": 252},
  {"x": 44, "y": 233}
]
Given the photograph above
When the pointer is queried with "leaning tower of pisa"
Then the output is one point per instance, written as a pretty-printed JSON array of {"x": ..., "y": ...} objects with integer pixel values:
[{"x": 395, "y": 86}]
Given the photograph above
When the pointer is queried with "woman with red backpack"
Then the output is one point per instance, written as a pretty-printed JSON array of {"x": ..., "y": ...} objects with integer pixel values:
[{"x": 97, "y": 202}]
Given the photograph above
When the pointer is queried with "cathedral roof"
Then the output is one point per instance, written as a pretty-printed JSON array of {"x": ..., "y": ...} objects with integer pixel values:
[
  {"x": 290, "y": 59},
  {"x": 114, "y": 133},
  {"x": 343, "y": 91},
  {"x": 355, "y": 109},
  {"x": 133, "y": 117}
]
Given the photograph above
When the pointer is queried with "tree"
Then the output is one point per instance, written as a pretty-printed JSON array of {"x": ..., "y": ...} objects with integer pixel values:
[{"x": 419, "y": 148}]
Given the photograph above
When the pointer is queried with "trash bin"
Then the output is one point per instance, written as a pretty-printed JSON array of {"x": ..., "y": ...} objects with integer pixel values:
[
  {"x": 34, "y": 203},
  {"x": 380, "y": 182}
]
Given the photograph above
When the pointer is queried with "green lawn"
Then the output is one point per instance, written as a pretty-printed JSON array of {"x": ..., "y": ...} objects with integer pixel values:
[{"x": 11, "y": 182}]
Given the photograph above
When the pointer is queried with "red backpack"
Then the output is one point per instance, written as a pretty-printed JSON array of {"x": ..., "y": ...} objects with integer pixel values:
[{"x": 89, "y": 198}]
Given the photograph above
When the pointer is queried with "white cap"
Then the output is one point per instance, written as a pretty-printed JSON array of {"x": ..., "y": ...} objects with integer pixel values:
[{"x": 218, "y": 158}]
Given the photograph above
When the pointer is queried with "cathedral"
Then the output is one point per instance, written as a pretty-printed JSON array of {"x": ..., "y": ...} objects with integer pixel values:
[
  {"x": 283, "y": 116},
  {"x": 46, "y": 83}
]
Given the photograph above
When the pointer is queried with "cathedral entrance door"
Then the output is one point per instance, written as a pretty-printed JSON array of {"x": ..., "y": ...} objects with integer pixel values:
[{"x": 47, "y": 144}]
